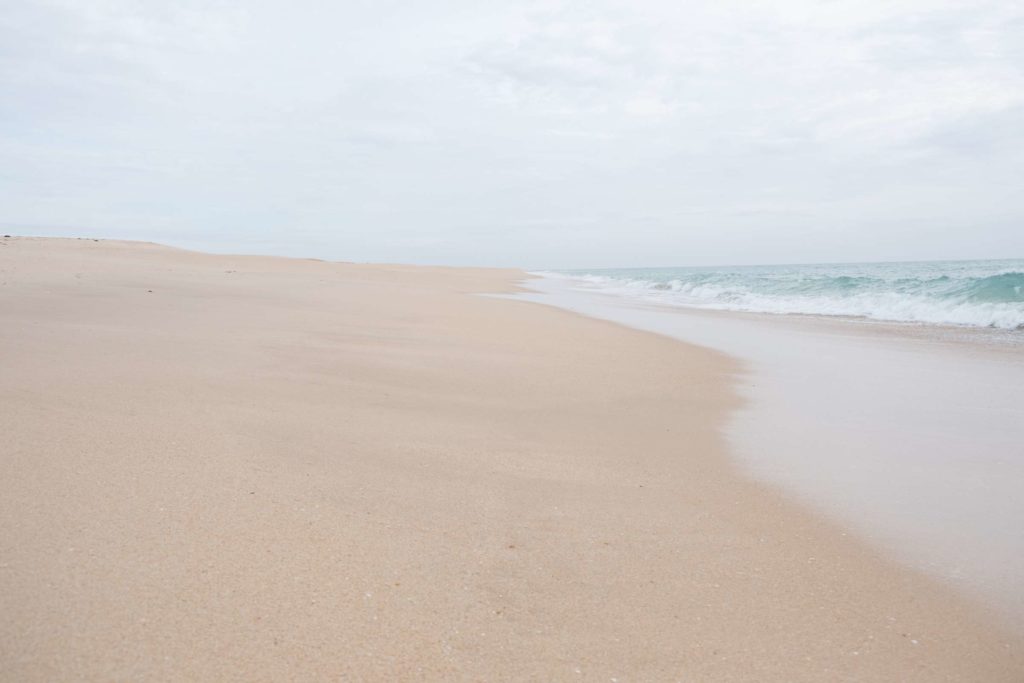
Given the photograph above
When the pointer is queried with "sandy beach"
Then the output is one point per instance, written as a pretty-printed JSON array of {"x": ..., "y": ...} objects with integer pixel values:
[{"x": 265, "y": 469}]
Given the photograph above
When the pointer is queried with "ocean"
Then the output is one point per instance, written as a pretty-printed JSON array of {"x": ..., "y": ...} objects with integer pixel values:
[{"x": 966, "y": 293}]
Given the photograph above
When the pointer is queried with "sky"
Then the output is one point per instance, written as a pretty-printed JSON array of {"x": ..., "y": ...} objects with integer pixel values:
[{"x": 532, "y": 134}]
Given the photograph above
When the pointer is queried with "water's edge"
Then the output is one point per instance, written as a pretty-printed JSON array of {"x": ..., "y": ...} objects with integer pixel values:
[{"x": 911, "y": 442}]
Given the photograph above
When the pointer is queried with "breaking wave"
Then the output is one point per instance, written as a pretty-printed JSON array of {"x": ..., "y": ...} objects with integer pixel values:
[{"x": 969, "y": 293}]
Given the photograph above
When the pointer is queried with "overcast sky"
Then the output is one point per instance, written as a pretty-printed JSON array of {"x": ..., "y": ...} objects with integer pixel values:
[{"x": 544, "y": 135}]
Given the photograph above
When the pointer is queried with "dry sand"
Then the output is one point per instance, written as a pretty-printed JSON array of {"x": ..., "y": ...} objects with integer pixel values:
[{"x": 250, "y": 468}]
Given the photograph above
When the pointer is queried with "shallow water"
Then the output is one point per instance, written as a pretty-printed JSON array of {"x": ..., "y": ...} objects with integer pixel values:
[{"x": 911, "y": 437}]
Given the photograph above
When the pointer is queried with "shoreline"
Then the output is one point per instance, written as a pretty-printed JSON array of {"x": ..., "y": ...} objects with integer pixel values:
[
  {"x": 872, "y": 396},
  {"x": 272, "y": 468}
]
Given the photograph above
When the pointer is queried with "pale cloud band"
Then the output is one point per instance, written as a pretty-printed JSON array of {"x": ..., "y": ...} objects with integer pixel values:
[{"x": 543, "y": 135}]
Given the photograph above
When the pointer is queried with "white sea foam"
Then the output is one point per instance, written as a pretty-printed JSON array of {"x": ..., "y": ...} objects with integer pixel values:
[{"x": 968, "y": 293}]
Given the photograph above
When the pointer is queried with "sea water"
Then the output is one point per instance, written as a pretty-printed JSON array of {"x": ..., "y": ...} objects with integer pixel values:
[
  {"x": 966, "y": 293},
  {"x": 911, "y": 435}
]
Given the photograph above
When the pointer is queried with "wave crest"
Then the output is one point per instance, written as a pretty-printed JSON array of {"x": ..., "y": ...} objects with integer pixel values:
[{"x": 969, "y": 293}]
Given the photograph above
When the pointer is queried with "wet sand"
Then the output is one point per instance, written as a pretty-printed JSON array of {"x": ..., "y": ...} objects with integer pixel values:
[{"x": 254, "y": 468}]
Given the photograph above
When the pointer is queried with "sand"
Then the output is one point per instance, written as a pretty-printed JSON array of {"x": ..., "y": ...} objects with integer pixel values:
[{"x": 265, "y": 469}]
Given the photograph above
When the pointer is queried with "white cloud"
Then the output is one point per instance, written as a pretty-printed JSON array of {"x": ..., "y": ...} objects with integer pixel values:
[{"x": 629, "y": 131}]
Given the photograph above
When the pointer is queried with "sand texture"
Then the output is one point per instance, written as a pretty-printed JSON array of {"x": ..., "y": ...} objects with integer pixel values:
[{"x": 263, "y": 469}]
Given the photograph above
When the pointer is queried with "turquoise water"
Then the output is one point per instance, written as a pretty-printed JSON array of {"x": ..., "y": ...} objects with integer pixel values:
[{"x": 968, "y": 293}]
